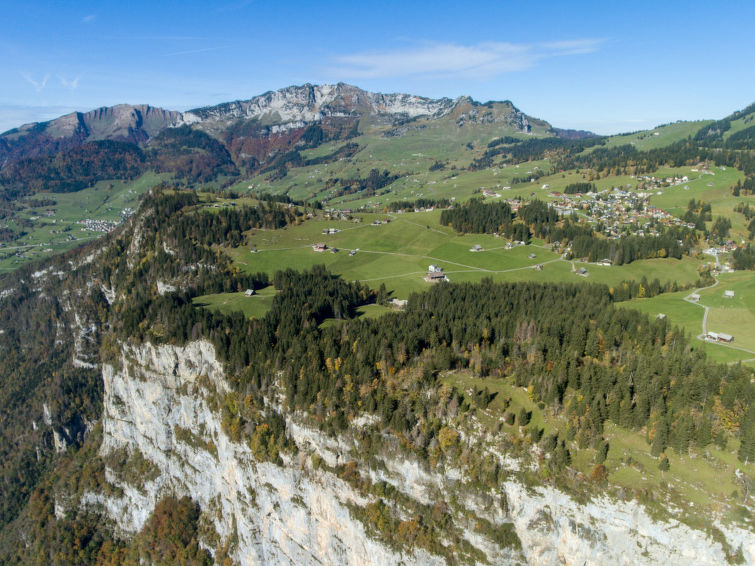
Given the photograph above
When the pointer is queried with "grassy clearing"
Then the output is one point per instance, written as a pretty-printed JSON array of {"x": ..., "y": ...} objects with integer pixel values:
[
  {"x": 255, "y": 306},
  {"x": 732, "y": 316},
  {"x": 735, "y": 316}
]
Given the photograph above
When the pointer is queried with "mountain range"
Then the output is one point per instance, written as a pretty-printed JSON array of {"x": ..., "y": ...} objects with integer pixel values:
[{"x": 258, "y": 128}]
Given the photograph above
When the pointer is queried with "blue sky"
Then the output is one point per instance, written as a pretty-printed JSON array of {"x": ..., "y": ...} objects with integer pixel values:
[{"x": 604, "y": 66}]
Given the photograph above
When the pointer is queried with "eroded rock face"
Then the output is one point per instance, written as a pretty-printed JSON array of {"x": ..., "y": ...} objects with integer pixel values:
[
  {"x": 272, "y": 514},
  {"x": 158, "y": 400}
]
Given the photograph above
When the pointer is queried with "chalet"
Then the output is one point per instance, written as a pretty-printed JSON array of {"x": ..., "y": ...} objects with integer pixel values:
[
  {"x": 435, "y": 274},
  {"x": 538, "y": 267},
  {"x": 582, "y": 272},
  {"x": 319, "y": 247},
  {"x": 605, "y": 262},
  {"x": 532, "y": 256},
  {"x": 694, "y": 297},
  {"x": 476, "y": 248},
  {"x": 728, "y": 294},
  {"x": 249, "y": 293},
  {"x": 435, "y": 277},
  {"x": 719, "y": 337}
]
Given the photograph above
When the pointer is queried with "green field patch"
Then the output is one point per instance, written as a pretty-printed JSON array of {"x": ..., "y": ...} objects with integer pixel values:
[
  {"x": 255, "y": 306},
  {"x": 660, "y": 136},
  {"x": 689, "y": 317}
]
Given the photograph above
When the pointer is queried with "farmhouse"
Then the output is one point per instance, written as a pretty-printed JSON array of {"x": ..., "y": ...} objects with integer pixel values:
[
  {"x": 435, "y": 274},
  {"x": 719, "y": 337}
]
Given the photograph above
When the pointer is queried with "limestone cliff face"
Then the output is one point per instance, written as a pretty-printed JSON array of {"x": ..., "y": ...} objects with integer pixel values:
[
  {"x": 272, "y": 514},
  {"x": 159, "y": 400}
]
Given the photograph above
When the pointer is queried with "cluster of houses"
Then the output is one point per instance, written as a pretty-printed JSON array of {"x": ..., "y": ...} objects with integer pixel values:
[
  {"x": 619, "y": 210},
  {"x": 91, "y": 225}
]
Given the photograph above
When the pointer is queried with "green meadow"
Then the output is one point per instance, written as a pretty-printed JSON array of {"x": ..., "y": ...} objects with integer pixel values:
[
  {"x": 398, "y": 253},
  {"x": 255, "y": 306}
]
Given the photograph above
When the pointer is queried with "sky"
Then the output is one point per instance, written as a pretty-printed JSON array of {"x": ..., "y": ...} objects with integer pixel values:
[{"x": 606, "y": 66}]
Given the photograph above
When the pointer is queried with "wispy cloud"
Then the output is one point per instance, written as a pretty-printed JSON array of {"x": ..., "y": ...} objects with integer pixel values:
[
  {"x": 73, "y": 84},
  {"x": 451, "y": 59},
  {"x": 88, "y": 19},
  {"x": 39, "y": 85},
  {"x": 192, "y": 51}
]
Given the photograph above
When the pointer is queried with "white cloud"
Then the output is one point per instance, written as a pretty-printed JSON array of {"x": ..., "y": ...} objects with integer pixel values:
[
  {"x": 88, "y": 19},
  {"x": 72, "y": 84},
  {"x": 39, "y": 85},
  {"x": 450, "y": 59}
]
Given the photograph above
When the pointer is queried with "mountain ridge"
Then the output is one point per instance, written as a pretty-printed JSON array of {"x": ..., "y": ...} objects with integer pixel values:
[{"x": 283, "y": 111}]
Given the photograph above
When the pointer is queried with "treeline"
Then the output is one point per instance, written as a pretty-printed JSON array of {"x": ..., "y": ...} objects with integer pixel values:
[
  {"x": 477, "y": 217},
  {"x": 628, "y": 160},
  {"x": 573, "y": 188},
  {"x": 644, "y": 289},
  {"x": 516, "y": 151},
  {"x": 713, "y": 134},
  {"x": 743, "y": 258},
  {"x": 627, "y": 249},
  {"x": 368, "y": 186},
  {"x": 411, "y": 205}
]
